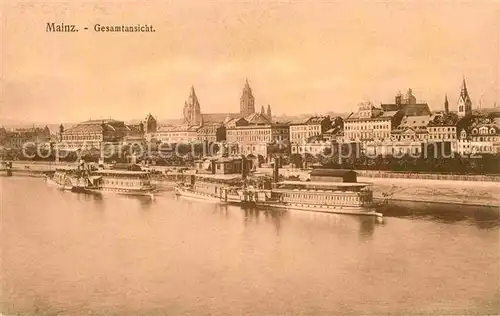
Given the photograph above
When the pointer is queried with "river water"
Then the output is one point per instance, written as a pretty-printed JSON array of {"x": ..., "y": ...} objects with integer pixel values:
[{"x": 74, "y": 254}]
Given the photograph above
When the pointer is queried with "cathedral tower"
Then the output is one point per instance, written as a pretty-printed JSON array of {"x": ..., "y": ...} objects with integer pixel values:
[
  {"x": 464, "y": 102},
  {"x": 192, "y": 111},
  {"x": 247, "y": 101}
]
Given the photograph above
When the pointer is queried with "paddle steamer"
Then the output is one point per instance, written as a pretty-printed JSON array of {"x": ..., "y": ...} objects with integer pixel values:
[
  {"x": 123, "y": 179},
  {"x": 327, "y": 190}
]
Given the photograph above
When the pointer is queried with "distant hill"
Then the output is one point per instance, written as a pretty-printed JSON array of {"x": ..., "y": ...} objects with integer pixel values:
[{"x": 54, "y": 128}]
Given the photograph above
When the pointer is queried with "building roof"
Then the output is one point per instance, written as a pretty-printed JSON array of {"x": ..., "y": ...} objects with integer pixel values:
[
  {"x": 334, "y": 131},
  {"x": 98, "y": 126},
  {"x": 105, "y": 121},
  {"x": 177, "y": 128},
  {"x": 415, "y": 121},
  {"x": 126, "y": 166},
  {"x": 317, "y": 119},
  {"x": 443, "y": 119},
  {"x": 133, "y": 130},
  {"x": 408, "y": 109},
  {"x": 324, "y": 184},
  {"x": 257, "y": 119},
  {"x": 316, "y": 139},
  {"x": 388, "y": 114},
  {"x": 379, "y": 116},
  {"x": 332, "y": 172},
  {"x": 235, "y": 120},
  {"x": 218, "y": 117},
  {"x": 490, "y": 126},
  {"x": 209, "y": 128}
]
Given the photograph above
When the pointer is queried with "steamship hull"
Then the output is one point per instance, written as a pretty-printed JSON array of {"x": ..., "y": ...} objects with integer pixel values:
[
  {"x": 198, "y": 196},
  {"x": 349, "y": 210},
  {"x": 120, "y": 191}
]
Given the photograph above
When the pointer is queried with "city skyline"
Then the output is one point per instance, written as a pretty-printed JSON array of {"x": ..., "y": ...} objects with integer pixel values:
[{"x": 323, "y": 57}]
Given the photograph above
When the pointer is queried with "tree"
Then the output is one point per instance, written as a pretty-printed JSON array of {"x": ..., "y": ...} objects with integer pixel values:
[{"x": 296, "y": 160}]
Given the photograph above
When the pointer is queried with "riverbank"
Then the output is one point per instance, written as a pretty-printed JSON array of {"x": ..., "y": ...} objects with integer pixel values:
[
  {"x": 460, "y": 192},
  {"x": 436, "y": 191}
]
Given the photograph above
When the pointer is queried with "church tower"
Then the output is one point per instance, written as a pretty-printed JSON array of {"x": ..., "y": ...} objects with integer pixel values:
[
  {"x": 262, "y": 110},
  {"x": 247, "y": 101},
  {"x": 409, "y": 98},
  {"x": 269, "y": 114},
  {"x": 192, "y": 111},
  {"x": 464, "y": 102},
  {"x": 149, "y": 124},
  {"x": 446, "y": 105}
]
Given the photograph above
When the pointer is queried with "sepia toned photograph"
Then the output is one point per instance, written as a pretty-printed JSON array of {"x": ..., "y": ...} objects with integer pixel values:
[{"x": 249, "y": 157}]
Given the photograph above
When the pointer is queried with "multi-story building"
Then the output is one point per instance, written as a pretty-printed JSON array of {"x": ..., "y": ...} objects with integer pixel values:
[
  {"x": 371, "y": 123},
  {"x": 480, "y": 136},
  {"x": 331, "y": 132},
  {"x": 443, "y": 128},
  {"x": 314, "y": 145},
  {"x": 314, "y": 126},
  {"x": 172, "y": 134},
  {"x": 253, "y": 134},
  {"x": 17, "y": 138},
  {"x": 412, "y": 128},
  {"x": 485, "y": 137},
  {"x": 134, "y": 134},
  {"x": 335, "y": 133},
  {"x": 212, "y": 133},
  {"x": 93, "y": 133}
]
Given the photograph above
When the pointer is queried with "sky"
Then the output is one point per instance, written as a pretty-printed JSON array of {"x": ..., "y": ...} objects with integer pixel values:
[{"x": 299, "y": 56}]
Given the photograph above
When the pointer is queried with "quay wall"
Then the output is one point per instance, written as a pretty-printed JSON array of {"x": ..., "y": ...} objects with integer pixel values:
[
  {"x": 438, "y": 191},
  {"x": 426, "y": 176},
  {"x": 460, "y": 192}
]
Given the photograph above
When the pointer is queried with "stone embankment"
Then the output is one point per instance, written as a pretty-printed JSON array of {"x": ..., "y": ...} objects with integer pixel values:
[
  {"x": 439, "y": 191},
  {"x": 437, "y": 188}
]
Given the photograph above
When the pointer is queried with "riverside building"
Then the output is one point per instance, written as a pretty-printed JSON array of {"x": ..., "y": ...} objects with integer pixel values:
[
  {"x": 16, "y": 138},
  {"x": 93, "y": 133},
  {"x": 314, "y": 126},
  {"x": 253, "y": 134}
]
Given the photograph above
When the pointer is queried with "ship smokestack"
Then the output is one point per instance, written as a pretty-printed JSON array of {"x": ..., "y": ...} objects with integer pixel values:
[
  {"x": 276, "y": 169},
  {"x": 244, "y": 167}
]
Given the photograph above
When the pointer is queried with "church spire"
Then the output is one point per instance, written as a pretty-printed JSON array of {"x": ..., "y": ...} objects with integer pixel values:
[
  {"x": 464, "y": 102},
  {"x": 269, "y": 114},
  {"x": 262, "y": 110},
  {"x": 463, "y": 91},
  {"x": 446, "y": 105}
]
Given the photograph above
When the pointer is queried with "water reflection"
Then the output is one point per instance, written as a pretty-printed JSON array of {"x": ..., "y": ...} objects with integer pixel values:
[
  {"x": 367, "y": 226},
  {"x": 252, "y": 215},
  {"x": 191, "y": 257},
  {"x": 222, "y": 210},
  {"x": 483, "y": 217}
]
